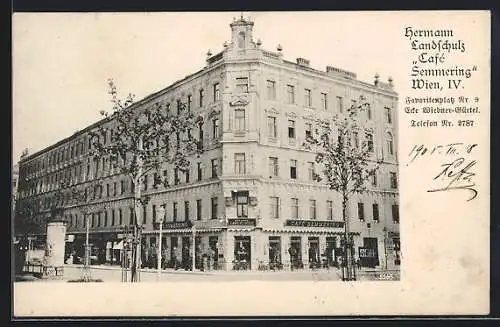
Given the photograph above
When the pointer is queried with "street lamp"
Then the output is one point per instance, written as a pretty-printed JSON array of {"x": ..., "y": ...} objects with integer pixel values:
[{"x": 160, "y": 213}]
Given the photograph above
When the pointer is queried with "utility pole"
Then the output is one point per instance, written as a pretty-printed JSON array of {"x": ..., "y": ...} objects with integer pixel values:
[{"x": 86, "y": 275}]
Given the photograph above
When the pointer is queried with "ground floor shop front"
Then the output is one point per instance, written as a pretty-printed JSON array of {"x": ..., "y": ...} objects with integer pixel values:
[{"x": 240, "y": 249}]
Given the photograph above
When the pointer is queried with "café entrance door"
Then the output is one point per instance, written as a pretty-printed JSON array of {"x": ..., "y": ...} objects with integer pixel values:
[{"x": 242, "y": 253}]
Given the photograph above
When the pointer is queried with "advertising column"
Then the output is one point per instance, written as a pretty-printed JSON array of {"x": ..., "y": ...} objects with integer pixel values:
[{"x": 54, "y": 249}]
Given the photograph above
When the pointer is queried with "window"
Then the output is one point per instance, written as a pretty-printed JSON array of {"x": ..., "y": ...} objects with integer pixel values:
[
  {"x": 145, "y": 214},
  {"x": 200, "y": 171},
  {"x": 293, "y": 169},
  {"x": 145, "y": 181},
  {"x": 273, "y": 166},
  {"x": 201, "y": 94},
  {"x": 242, "y": 204},
  {"x": 394, "y": 180},
  {"x": 241, "y": 39},
  {"x": 361, "y": 211},
  {"x": 176, "y": 176},
  {"x": 324, "y": 101},
  {"x": 154, "y": 215},
  {"x": 355, "y": 140},
  {"x": 214, "y": 208},
  {"x": 105, "y": 218},
  {"x": 291, "y": 129},
  {"x": 294, "y": 208},
  {"x": 186, "y": 210},
  {"x": 120, "y": 217},
  {"x": 388, "y": 115},
  {"x": 329, "y": 210},
  {"x": 216, "y": 92},
  {"x": 369, "y": 141},
  {"x": 189, "y": 102},
  {"x": 242, "y": 84},
  {"x": 312, "y": 209},
  {"x": 340, "y": 104},
  {"x": 214, "y": 168},
  {"x": 390, "y": 143},
  {"x": 131, "y": 216},
  {"x": 114, "y": 188},
  {"x": 271, "y": 126},
  {"x": 395, "y": 213},
  {"x": 375, "y": 213},
  {"x": 271, "y": 90},
  {"x": 311, "y": 171},
  {"x": 187, "y": 175},
  {"x": 308, "y": 130},
  {"x": 368, "y": 112},
  {"x": 215, "y": 128},
  {"x": 275, "y": 207},
  {"x": 307, "y": 98},
  {"x": 174, "y": 211},
  {"x": 373, "y": 178},
  {"x": 239, "y": 163},
  {"x": 179, "y": 107},
  {"x": 239, "y": 119},
  {"x": 290, "y": 91},
  {"x": 198, "y": 209}
]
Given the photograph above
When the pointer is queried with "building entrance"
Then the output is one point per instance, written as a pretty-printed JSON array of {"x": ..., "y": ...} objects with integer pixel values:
[
  {"x": 314, "y": 260},
  {"x": 275, "y": 252},
  {"x": 295, "y": 252},
  {"x": 242, "y": 253}
]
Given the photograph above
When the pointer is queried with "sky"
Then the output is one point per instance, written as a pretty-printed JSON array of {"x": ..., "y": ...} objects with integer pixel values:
[{"x": 62, "y": 61}]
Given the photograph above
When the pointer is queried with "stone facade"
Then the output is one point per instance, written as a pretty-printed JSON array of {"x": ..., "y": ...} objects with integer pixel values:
[{"x": 244, "y": 201}]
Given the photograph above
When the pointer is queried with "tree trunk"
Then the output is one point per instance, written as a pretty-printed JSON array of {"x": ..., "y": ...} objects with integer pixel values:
[
  {"x": 136, "y": 251},
  {"x": 348, "y": 256}
]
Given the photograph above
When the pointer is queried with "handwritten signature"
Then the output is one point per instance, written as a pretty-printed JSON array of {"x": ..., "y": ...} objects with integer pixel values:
[{"x": 458, "y": 176}]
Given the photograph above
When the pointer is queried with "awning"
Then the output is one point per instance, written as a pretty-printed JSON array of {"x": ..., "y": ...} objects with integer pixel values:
[
  {"x": 118, "y": 245},
  {"x": 240, "y": 229},
  {"x": 306, "y": 231}
]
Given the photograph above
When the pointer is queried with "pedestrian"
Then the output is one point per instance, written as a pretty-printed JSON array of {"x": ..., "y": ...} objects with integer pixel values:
[{"x": 176, "y": 258}]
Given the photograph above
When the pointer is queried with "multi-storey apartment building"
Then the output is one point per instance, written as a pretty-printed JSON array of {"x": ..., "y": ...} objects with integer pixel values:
[{"x": 252, "y": 195}]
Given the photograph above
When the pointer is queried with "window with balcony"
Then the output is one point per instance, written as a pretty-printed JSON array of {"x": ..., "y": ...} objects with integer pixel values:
[{"x": 186, "y": 210}]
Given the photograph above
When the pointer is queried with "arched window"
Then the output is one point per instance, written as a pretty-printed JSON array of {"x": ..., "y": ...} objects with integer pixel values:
[
  {"x": 390, "y": 143},
  {"x": 241, "y": 39}
]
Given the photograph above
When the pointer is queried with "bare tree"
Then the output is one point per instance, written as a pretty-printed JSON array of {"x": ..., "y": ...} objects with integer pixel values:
[
  {"x": 137, "y": 139},
  {"x": 346, "y": 163}
]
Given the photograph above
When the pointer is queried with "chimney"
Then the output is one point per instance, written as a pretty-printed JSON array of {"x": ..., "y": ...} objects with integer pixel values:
[{"x": 303, "y": 62}]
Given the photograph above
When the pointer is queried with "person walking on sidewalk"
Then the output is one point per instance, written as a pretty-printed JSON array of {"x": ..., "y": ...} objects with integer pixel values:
[{"x": 293, "y": 253}]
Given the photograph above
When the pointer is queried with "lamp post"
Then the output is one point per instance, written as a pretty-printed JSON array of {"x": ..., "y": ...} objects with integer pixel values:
[
  {"x": 160, "y": 213},
  {"x": 193, "y": 267},
  {"x": 385, "y": 247}
]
